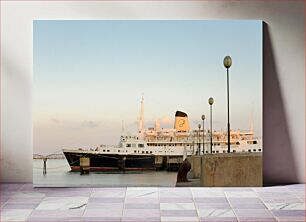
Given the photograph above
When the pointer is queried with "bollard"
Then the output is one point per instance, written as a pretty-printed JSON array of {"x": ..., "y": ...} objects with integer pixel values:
[
  {"x": 45, "y": 166},
  {"x": 182, "y": 172}
]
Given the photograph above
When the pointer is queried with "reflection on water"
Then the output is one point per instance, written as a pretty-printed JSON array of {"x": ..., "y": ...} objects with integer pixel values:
[{"x": 59, "y": 174}]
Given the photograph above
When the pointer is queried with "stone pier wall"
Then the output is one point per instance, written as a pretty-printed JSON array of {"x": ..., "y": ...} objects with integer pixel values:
[
  {"x": 232, "y": 169},
  {"x": 196, "y": 165}
]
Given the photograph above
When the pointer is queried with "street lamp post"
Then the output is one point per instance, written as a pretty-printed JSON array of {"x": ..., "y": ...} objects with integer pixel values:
[
  {"x": 211, "y": 102},
  {"x": 227, "y": 64},
  {"x": 199, "y": 146},
  {"x": 203, "y": 118}
]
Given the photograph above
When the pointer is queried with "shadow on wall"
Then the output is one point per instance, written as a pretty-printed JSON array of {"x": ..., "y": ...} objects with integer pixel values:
[{"x": 278, "y": 161}]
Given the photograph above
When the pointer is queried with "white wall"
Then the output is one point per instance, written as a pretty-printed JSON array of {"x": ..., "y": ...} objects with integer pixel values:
[{"x": 284, "y": 79}]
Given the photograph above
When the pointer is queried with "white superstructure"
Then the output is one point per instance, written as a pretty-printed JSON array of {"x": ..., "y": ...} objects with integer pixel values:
[{"x": 178, "y": 141}]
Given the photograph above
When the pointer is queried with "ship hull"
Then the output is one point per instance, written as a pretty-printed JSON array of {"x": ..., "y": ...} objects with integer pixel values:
[{"x": 112, "y": 162}]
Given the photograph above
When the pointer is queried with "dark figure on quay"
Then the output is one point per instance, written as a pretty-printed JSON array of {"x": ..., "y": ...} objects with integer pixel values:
[{"x": 183, "y": 170}]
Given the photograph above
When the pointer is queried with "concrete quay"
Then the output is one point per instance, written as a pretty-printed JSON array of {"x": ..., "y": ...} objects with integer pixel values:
[{"x": 225, "y": 170}]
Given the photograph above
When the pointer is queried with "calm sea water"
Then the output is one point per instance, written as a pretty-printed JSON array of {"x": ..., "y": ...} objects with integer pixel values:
[{"x": 59, "y": 175}]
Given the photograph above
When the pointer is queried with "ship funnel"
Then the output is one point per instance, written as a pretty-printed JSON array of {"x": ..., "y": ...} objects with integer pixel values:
[{"x": 181, "y": 122}]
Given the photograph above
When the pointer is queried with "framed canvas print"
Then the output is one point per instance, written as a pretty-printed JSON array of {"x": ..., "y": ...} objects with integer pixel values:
[{"x": 147, "y": 103}]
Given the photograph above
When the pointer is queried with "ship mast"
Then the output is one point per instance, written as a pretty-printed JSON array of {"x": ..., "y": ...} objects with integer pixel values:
[
  {"x": 122, "y": 127},
  {"x": 141, "y": 118}
]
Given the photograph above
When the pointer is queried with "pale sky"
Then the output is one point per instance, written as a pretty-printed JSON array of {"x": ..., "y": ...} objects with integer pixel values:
[{"x": 89, "y": 76}]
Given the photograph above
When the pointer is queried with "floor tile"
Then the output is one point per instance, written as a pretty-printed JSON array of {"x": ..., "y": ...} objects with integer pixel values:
[
  {"x": 254, "y": 219},
  {"x": 200, "y": 206},
  {"x": 248, "y": 206},
  {"x": 238, "y": 189},
  {"x": 175, "y": 200},
  {"x": 62, "y": 189},
  {"x": 54, "y": 219},
  {"x": 210, "y": 200},
  {"x": 27, "y": 187},
  {"x": 142, "y": 200},
  {"x": 103, "y": 213},
  {"x": 178, "y": 219},
  {"x": 216, "y": 213},
  {"x": 4, "y": 193},
  {"x": 296, "y": 187},
  {"x": 175, "y": 189},
  {"x": 101, "y": 219},
  {"x": 300, "y": 195},
  {"x": 133, "y": 192},
  {"x": 201, "y": 189},
  {"x": 3, "y": 199},
  {"x": 141, "y": 206},
  {"x": 57, "y": 213},
  {"x": 269, "y": 204},
  {"x": 68, "y": 194},
  {"x": 275, "y": 197},
  {"x": 140, "y": 219},
  {"x": 99, "y": 205},
  {"x": 25, "y": 200},
  {"x": 279, "y": 189},
  {"x": 27, "y": 194},
  {"x": 110, "y": 192},
  {"x": 105, "y": 200},
  {"x": 245, "y": 200},
  {"x": 175, "y": 193},
  {"x": 95, "y": 189},
  {"x": 240, "y": 194},
  {"x": 142, "y": 213},
  {"x": 291, "y": 219},
  {"x": 179, "y": 194},
  {"x": 289, "y": 213},
  {"x": 62, "y": 203},
  {"x": 10, "y": 186},
  {"x": 198, "y": 192},
  {"x": 20, "y": 206},
  {"x": 179, "y": 213},
  {"x": 218, "y": 219},
  {"x": 14, "y": 214},
  {"x": 281, "y": 200},
  {"x": 285, "y": 206},
  {"x": 177, "y": 206},
  {"x": 255, "y": 213}
]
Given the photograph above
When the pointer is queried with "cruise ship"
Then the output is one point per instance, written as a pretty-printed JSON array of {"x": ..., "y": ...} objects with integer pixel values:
[{"x": 161, "y": 149}]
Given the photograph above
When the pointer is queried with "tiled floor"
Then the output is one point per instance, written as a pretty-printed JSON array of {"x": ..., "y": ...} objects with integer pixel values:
[{"x": 22, "y": 202}]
